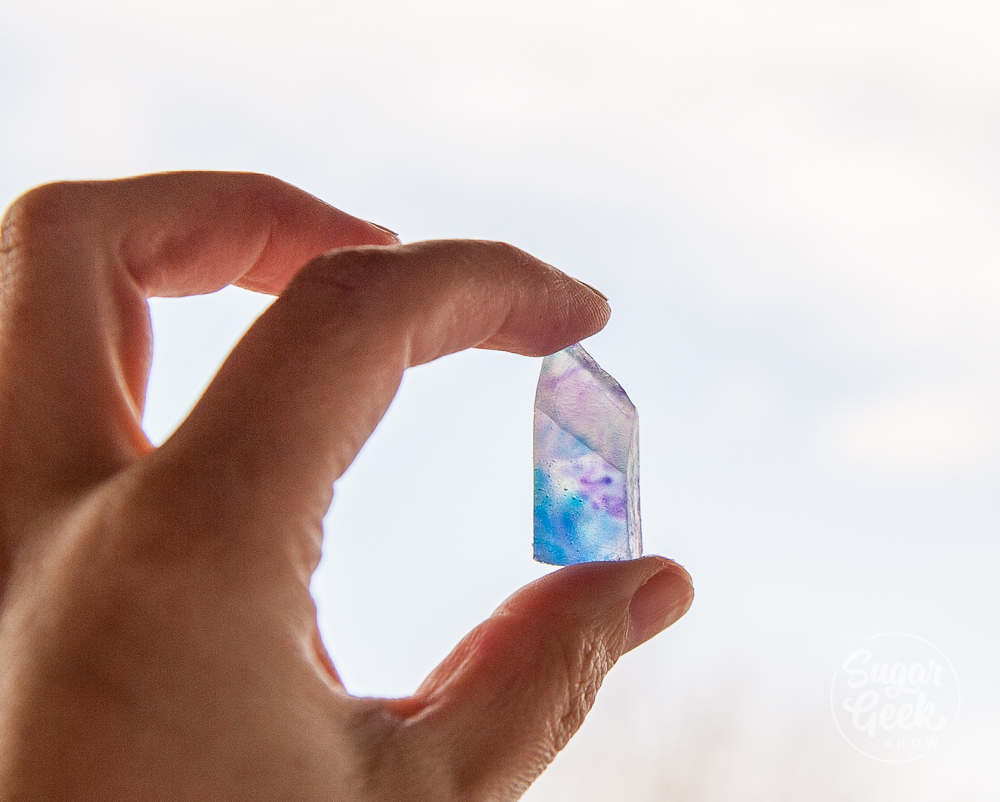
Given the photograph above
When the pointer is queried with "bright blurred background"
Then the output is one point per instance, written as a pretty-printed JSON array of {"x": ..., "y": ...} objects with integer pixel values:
[{"x": 793, "y": 209}]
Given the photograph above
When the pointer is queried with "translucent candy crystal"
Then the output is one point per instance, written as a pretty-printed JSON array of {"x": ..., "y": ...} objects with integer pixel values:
[{"x": 586, "y": 463}]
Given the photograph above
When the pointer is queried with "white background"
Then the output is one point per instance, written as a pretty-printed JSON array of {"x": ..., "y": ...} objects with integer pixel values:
[{"x": 793, "y": 209}]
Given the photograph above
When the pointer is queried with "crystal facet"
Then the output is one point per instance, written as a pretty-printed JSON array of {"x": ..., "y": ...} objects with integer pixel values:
[{"x": 586, "y": 463}]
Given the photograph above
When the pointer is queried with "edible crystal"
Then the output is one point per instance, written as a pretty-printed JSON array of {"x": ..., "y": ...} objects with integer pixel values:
[{"x": 586, "y": 463}]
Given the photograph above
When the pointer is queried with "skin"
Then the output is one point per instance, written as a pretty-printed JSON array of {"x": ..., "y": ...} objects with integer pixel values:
[{"x": 157, "y": 636}]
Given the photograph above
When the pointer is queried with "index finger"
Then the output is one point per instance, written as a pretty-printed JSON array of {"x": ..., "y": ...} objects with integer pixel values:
[
  {"x": 193, "y": 232},
  {"x": 77, "y": 262}
]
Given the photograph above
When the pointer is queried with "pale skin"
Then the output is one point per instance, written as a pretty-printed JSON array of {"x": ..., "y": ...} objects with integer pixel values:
[{"x": 157, "y": 636}]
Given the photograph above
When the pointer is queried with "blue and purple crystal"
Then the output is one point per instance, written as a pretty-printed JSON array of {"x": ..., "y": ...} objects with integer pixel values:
[{"x": 586, "y": 463}]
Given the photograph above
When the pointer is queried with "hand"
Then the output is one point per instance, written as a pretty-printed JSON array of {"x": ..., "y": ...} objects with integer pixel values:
[{"x": 157, "y": 636}]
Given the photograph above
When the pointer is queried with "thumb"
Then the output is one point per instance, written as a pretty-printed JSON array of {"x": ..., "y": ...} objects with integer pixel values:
[{"x": 514, "y": 691}]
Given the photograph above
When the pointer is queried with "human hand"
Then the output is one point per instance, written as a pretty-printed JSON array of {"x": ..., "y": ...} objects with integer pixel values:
[{"x": 157, "y": 636}]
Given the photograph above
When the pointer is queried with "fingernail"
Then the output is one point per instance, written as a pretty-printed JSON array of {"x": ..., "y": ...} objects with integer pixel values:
[
  {"x": 664, "y": 598},
  {"x": 593, "y": 289},
  {"x": 383, "y": 228}
]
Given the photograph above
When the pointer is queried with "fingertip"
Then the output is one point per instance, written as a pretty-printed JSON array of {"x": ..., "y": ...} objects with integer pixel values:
[
  {"x": 596, "y": 311},
  {"x": 583, "y": 313},
  {"x": 599, "y": 312},
  {"x": 658, "y": 603}
]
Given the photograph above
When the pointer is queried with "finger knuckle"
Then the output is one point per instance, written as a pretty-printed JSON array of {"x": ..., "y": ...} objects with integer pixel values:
[
  {"x": 361, "y": 305},
  {"x": 506, "y": 252},
  {"x": 45, "y": 205},
  {"x": 361, "y": 272},
  {"x": 37, "y": 218},
  {"x": 258, "y": 186},
  {"x": 583, "y": 663}
]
